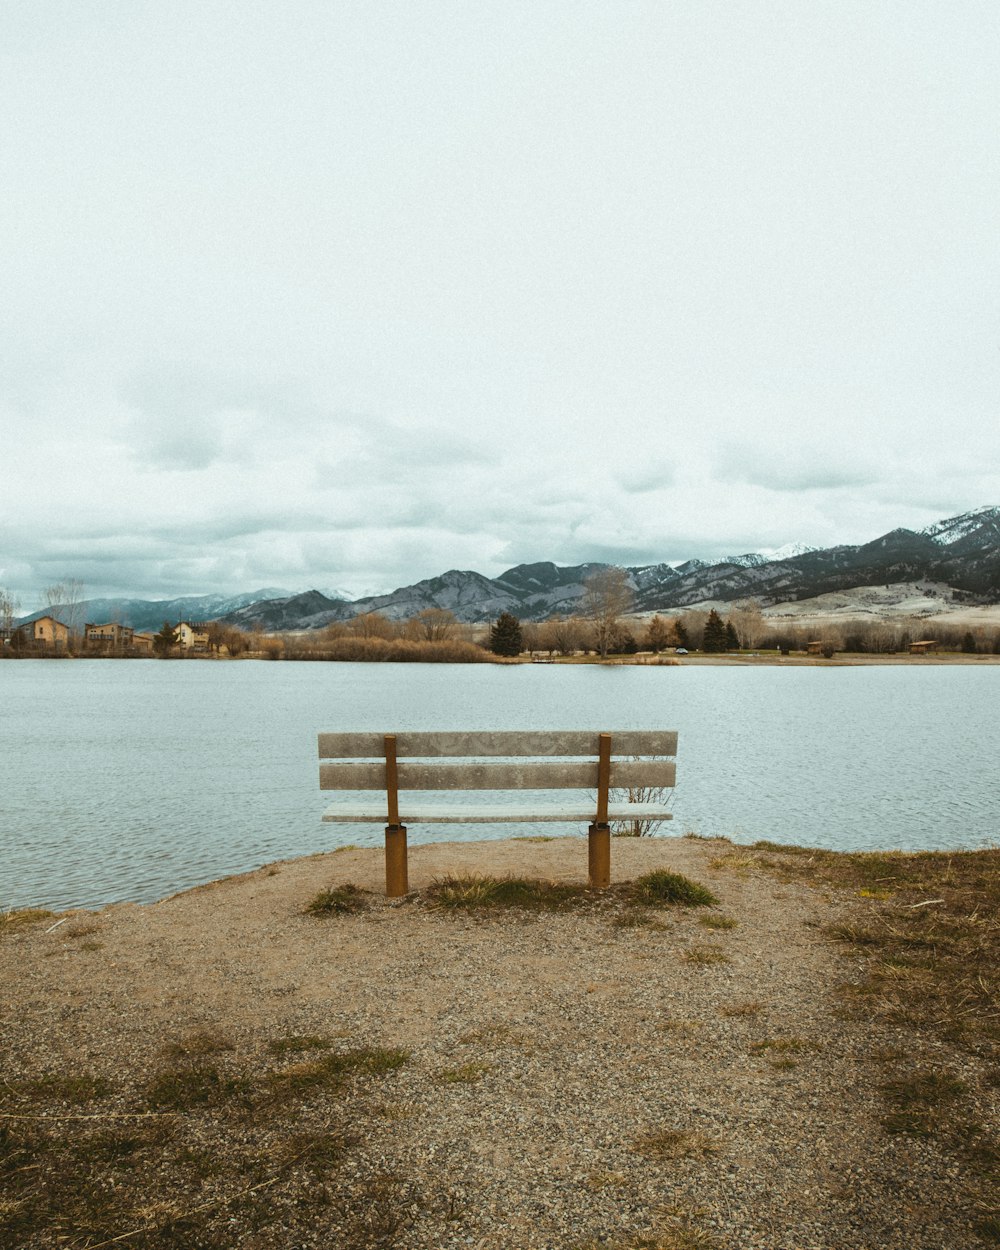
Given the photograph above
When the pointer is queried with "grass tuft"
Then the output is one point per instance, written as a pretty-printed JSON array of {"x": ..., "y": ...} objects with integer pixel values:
[
  {"x": 714, "y": 921},
  {"x": 341, "y": 900},
  {"x": 665, "y": 887},
  {"x": 706, "y": 956},
  {"x": 472, "y": 892}
]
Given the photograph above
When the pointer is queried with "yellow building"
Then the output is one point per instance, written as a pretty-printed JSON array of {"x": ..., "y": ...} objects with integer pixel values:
[
  {"x": 111, "y": 636},
  {"x": 191, "y": 637},
  {"x": 46, "y": 631}
]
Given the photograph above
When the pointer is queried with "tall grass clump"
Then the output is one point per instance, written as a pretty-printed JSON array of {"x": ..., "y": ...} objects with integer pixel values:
[
  {"x": 663, "y": 886},
  {"x": 470, "y": 892}
]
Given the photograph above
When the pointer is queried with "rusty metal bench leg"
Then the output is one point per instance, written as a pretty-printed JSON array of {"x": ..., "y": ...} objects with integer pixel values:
[
  {"x": 599, "y": 855},
  {"x": 396, "y": 878}
]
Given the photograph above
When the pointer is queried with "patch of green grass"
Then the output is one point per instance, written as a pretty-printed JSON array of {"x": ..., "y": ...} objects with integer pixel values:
[
  {"x": 665, "y": 887},
  {"x": 675, "y": 1144},
  {"x": 79, "y": 1087},
  {"x": 918, "y": 1099},
  {"x": 201, "y": 1085},
  {"x": 332, "y": 1070},
  {"x": 341, "y": 900},
  {"x": 472, "y": 892},
  {"x": 705, "y": 956}
]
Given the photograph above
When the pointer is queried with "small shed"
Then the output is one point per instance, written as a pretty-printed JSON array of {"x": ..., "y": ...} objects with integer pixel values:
[
  {"x": 815, "y": 647},
  {"x": 922, "y": 648}
]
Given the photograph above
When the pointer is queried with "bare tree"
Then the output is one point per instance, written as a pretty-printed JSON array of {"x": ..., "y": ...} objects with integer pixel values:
[
  {"x": 531, "y": 633},
  {"x": 638, "y": 828},
  {"x": 560, "y": 634},
  {"x": 373, "y": 625},
  {"x": 9, "y": 605},
  {"x": 434, "y": 625},
  {"x": 748, "y": 621},
  {"x": 67, "y": 598},
  {"x": 607, "y": 597}
]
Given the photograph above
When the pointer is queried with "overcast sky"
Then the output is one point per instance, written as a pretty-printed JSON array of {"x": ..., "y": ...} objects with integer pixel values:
[{"x": 344, "y": 294}]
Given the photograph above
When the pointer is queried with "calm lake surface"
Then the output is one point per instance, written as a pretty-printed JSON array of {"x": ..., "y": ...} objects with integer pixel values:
[{"x": 132, "y": 780}]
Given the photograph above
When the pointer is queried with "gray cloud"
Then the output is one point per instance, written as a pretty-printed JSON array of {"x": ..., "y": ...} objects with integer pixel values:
[
  {"x": 800, "y": 464},
  {"x": 535, "y": 299}
]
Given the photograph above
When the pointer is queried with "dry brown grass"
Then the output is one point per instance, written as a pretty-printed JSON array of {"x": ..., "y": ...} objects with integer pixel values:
[
  {"x": 927, "y": 928},
  {"x": 218, "y": 1161}
]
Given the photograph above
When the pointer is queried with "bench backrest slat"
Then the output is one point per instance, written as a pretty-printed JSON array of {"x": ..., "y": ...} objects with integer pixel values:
[
  {"x": 527, "y": 775},
  {"x": 510, "y": 743}
]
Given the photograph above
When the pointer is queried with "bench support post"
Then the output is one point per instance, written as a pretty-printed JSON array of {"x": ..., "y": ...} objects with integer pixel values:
[
  {"x": 396, "y": 878},
  {"x": 599, "y": 855},
  {"x": 599, "y": 833}
]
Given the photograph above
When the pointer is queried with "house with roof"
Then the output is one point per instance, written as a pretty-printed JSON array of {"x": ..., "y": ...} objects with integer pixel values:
[
  {"x": 43, "y": 632},
  {"x": 191, "y": 637},
  {"x": 108, "y": 637}
]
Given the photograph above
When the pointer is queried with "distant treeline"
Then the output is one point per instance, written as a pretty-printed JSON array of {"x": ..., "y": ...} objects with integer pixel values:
[{"x": 437, "y": 636}]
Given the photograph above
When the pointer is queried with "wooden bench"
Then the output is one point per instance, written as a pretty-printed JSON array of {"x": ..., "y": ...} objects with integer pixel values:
[{"x": 406, "y": 765}]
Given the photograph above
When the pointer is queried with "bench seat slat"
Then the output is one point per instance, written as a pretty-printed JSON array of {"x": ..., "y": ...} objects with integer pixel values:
[
  {"x": 371, "y": 812},
  {"x": 515, "y": 775},
  {"x": 430, "y": 745}
]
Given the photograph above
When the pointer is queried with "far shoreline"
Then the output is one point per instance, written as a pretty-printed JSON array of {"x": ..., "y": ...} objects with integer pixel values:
[{"x": 849, "y": 659}]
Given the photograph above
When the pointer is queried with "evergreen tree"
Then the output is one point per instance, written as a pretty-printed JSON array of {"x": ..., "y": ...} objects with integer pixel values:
[
  {"x": 505, "y": 635},
  {"x": 715, "y": 633},
  {"x": 732, "y": 642},
  {"x": 681, "y": 636},
  {"x": 969, "y": 643},
  {"x": 165, "y": 641}
]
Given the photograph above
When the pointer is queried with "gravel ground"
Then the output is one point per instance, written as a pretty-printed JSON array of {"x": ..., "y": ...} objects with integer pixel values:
[{"x": 572, "y": 1082}]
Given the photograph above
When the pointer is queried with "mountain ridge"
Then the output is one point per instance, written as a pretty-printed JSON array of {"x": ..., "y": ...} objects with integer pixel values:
[{"x": 961, "y": 553}]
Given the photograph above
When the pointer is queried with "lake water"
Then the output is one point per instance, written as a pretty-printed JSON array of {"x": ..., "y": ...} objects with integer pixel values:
[{"x": 131, "y": 780}]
